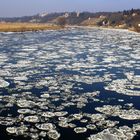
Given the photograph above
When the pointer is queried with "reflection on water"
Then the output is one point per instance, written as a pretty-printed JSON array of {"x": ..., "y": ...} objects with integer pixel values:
[{"x": 73, "y": 84}]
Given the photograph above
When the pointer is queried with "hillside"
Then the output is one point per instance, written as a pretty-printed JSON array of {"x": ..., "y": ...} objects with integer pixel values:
[{"x": 126, "y": 19}]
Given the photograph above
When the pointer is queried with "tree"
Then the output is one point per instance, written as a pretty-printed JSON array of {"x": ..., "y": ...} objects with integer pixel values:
[
  {"x": 131, "y": 11},
  {"x": 61, "y": 21}
]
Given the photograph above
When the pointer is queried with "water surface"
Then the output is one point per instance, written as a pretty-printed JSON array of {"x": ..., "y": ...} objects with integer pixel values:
[{"x": 64, "y": 79}]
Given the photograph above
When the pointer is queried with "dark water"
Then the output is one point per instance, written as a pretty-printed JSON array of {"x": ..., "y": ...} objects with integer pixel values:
[{"x": 67, "y": 65}]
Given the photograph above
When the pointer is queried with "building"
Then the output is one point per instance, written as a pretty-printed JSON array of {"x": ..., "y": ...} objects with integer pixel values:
[
  {"x": 77, "y": 14},
  {"x": 89, "y": 18},
  {"x": 43, "y": 14},
  {"x": 134, "y": 14},
  {"x": 102, "y": 16},
  {"x": 66, "y": 15}
]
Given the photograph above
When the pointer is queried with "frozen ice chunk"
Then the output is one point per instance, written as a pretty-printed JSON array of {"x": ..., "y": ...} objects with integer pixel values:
[
  {"x": 53, "y": 134},
  {"x": 32, "y": 119},
  {"x": 45, "y": 126},
  {"x": 3, "y": 83},
  {"x": 11, "y": 130},
  {"x": 80, "y": 129}
]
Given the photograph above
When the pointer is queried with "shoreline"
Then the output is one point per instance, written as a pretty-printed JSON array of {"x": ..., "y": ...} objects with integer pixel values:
[
  {"x": 105, "y": 28},
  {"x": 34, "y": 27}
]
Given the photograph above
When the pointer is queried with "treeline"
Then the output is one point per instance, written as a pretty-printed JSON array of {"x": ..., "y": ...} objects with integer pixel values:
[{"x": 126, "y": 18}]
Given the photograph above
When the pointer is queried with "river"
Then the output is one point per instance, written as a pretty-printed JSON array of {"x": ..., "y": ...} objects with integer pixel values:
[{"x": 78, "y": 83}]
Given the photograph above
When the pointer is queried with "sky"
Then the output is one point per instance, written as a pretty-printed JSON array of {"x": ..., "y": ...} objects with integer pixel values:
[{"x": 17, "y": 8}]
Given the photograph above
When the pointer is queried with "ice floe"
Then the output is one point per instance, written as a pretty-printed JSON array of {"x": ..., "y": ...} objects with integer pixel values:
[
  {"x": 53, "y": 134},
  {"x": 129, "y": 114},
  {"x": 3, "y": 83},
  {"x": 80, "y": 129},
  {"x": 32, "y": 119},
  {"x": 123, "y": 133},
  {"x": 45, "y": 126}
]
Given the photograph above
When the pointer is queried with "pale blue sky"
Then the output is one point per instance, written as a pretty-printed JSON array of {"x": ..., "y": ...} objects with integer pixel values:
[{"x": 10, "y": 8}]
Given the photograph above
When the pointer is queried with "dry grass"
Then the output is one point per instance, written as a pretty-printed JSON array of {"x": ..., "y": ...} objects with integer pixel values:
[{"x": 22, "y": 27}]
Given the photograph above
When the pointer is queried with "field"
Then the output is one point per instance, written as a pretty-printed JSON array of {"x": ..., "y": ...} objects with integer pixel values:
[{"x": 22, "y": 27}]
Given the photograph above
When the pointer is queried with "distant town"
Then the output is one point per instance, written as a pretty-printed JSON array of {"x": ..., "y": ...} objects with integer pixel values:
[{"x": 127, "y": 19}]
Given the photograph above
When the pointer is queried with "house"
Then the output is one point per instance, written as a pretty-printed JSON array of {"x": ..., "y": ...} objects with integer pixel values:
[
  {"x": 134, "y": 14},
  {"x": 77, "y": 14},
  {"x": 102, "y": 17},
  {"x": 43, "y": 14},
  {"x": 66, "y": 15}
]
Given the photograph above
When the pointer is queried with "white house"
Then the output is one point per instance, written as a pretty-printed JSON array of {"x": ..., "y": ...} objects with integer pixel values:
[
  {"x": 66, "y": 15},
  {"x": 89, "y": 18},
  {"x": 77, "y": 14},
  {"x": 134, "y": 14},
  {"x": 43, "y": 14}
]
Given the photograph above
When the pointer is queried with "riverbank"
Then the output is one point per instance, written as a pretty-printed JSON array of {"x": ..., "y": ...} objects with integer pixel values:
[
  {"x": 107, "y": 27},
  {"x": 23, "y": 27}
]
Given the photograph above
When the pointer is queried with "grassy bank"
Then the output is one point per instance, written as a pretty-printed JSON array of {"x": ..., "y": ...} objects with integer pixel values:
[{"x": 22, "y": 27}]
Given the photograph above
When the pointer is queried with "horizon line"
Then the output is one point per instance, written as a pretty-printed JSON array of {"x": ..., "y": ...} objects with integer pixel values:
[{"x": 115, "y": 11}]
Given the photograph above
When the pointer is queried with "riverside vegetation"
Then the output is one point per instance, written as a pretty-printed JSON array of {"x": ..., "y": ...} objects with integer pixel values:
[{"x": 21, "y": 27}]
